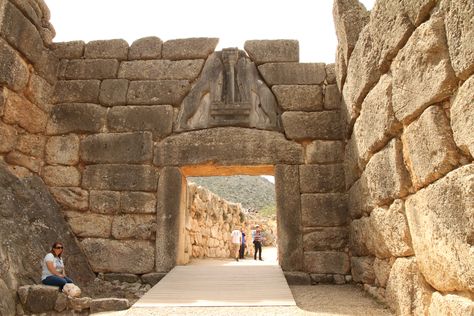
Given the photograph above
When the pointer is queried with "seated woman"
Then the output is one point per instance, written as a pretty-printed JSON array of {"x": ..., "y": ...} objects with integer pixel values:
[{"x": 53, "y": 267}]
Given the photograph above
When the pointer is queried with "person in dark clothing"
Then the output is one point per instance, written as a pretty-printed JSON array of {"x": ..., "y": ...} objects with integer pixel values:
[
  {"x": 257, "y": 242},
  {"x": 242, "y": 245}
]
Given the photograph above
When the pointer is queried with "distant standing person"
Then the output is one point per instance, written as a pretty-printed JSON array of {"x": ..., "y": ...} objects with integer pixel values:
[
  {"x": 53, "y": 267},
  {"x": 236, "y": 237},
  {"x": 242, "y": 244},
  {"x": 257, "y": 242}
]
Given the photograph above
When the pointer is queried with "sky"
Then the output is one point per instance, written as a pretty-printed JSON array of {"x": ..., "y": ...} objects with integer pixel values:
[{"x": 308, "y": 21}]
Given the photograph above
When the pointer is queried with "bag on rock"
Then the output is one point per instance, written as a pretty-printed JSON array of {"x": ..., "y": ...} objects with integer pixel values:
[{"x": 71, "y": 290}]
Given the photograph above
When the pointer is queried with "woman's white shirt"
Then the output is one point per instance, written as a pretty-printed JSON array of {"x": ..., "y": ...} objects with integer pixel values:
[{"x": 57, "y": 263}]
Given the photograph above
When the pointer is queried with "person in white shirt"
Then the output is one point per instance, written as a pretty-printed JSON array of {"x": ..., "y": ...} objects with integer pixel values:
[
  {"x": 53, "y": 267},
  {"x": 236, "y": 237}
]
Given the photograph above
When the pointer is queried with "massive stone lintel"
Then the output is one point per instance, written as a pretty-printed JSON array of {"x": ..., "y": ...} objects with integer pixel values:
[{"x": 229, "y": 92}]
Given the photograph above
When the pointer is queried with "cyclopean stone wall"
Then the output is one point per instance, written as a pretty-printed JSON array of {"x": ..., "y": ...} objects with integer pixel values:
[{"x": 406, "y": 71}]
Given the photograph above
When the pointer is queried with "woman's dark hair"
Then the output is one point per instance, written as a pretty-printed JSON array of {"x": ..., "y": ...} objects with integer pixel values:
[{"x": 57, "y": 243}]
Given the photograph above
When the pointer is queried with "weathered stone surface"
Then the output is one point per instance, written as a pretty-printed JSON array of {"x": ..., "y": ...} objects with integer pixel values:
[
  {"x": 63, "y": 150},
  {"x": 8, "y": 302},
  {"x": 117, "y": 148},
  {"x": 429, "y": 148},
  {"x": 39, "y": 92},
  {"x": 352, "y": 170},
  {"x": 357, "y": 201},
  {"x": 442, "y": 243},
  {"x": 31, "y": 144},
  {"x": 299, "y": 98},
  {"x": 328, "y": 209},
  {"x": 450, "y": 304},
  {"x": 362, "y": 269},
  {"x": 462, "y": 117},
  {"x": 3, "y": 91},
  {"x": 114, "y": 49},
  {"x": 69, "y": 50},
  {"x": 123, "y": 256},
  {"x": 71, "y": 198},
  {"x": 272, "y": 51},
  {"x": 321, "y": 178},
  {"x": 223, "y": 146},
  {"x": 89, "y": 224},
  {"x": 387, "y": 178},
  {"x": 19, "y": 110},
  {"x": 152, "y": 278},
  {"x": 109, "y": 304},
  {"x": 422, "y": 72},
  {"x": 382, "y": 271},
  {"x": 121, "y": 277},
  {"x": 325, "y": 238},
  {"x": 341, "y": 68},
  {"x": 145, "y": 48},
  {"x": 157, "y": 119},
  {"x": 157, "y": 91},
  {"x": 330, "y": 73},
  {"x": 41, "y": 298},
  {"x": 61, "y": 302},
  {"x": 160, "y": 69},
  {"x": 13, "y": 70},
  {"x": 288, "y": 204},
  {"x": 332, "y": 97},
  {"x": 138, "y": 202},
  {"x": 79, "y": 303},
  {"x": 360, "y": 238},
  {"x": 376, "y": 123},
  {"x": 134, "y": 227},
  {"x": 120, "y": 177},
  {"x": 47, "y": 67},
  {"x": 61, "y": 176},
  {"x": 19, "y": 159},
  {"x": 293, "y": 73},
  {"x": 68, "y": 91},
  {"x": 91, "y": 69},
  {"x": 189, "y": 48},
  {"x": 76, "y": 117},
  {"x": 113, "y": 92},
  {"x": 320, "y": 151},
  {"x": 407, "y": 292},
  {"x": 9, "y": 137},
  {"x": 313, "y": 125},
  {"x": 297, "y": 278},
  {"x": 104, "y": 202},
  {"x": 459, "y": 20},
  {"x": 326, "y": 262}
]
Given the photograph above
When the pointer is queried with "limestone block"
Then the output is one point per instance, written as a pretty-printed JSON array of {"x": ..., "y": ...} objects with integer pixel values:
[
  {"x": 61, "y": 302},
  {"x": 224, "y": 145},
  {"x": 157, "y": 91},
  {"x": 332, "y": 97},
  {"x": 104, "y": 202},
  {"x": 429, "y": 148},
  {"x": 79, "y": 303},
  {"x": 376, "y": 123},
  {"x": 41, "y": 298},
  {"x": 459, "y": 20},
  {"x": 9, "y": 137},
  {"x": 19, "y": 110},
  {"x": 152, "y": 278},
  {"x": 120, "y": 177},
  {"x": 145, "y": 48},
  {"x": 357, "y": 201},
  {"x": 117, "y": 148},
  {"x": 31, "y": 10},
  {"x": 352, "y": 170},
  {"x": 13, "y": 70},
  {"x": 3, "y": 91},
  {"x": 138, "y": 202},
  {"x": 61, "y": 176},
  {"x": 321, "y": 152},
  {"x": 326, "y": 262},
  {"x": 341, "y": 68},
  {"x": 109, "y": 304},
  {"x": 121, "y": 277},
  {"x": 157, "y": 119},
  {"x": 19, "y": 159},
  {"x": 31, "y": 144},
  {"x": 272, "y": 51},
  {"x": 382, "y": 271},
  {"x": 91, "y": 69},
  {"x": 328, "y": 209},
  {"x": 297, "y": 278},
  {"x": 442, "y": 243},
  {"x": 325, "y": 238},
  {"x": 313, "y": 125},
  {"x": 330, "y": 73},
  {"x": 114, "y": 49},
  {"x": 293, "y": 73},
  {"x": 360, "y": 241},
  {"x": 189, "y": 48},
  {"x": 122, "y": 256},
  {"x": 462, "y": 117},
  {"x": 299, "y": 98},
  {"x": 69, "y": 91},
  {"x": 89, "y": 224},
  {"x": 407, "y": 291},
  {"x": 419, "y": 10},
  {"x": 71, "y": 198},
  {"x": 387, "y": 178},
  {"x": 76, "y": 117},
  {"x": 161, "y": 69},
  {"x": 69, "y": 50},
  {"x": 450, "y": 304},
  {"x": 133, "y": 226},
  {"x": 321, "y": 178},
  {"x": 62, "y": 150},
  {"x": 362, "y": 269},
  {"x": 47, "y": 66},
  {"x": 113, "y": 92},
  {"x": 422, "y": 72},
  {"x": 39, "y": 91}
]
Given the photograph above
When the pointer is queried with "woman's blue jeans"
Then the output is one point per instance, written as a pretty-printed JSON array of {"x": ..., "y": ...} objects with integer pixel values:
[{"x": 57, "y": 281}]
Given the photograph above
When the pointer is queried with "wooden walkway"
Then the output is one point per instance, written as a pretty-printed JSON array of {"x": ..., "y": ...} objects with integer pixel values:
[{"x": 221, "y": 283}]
